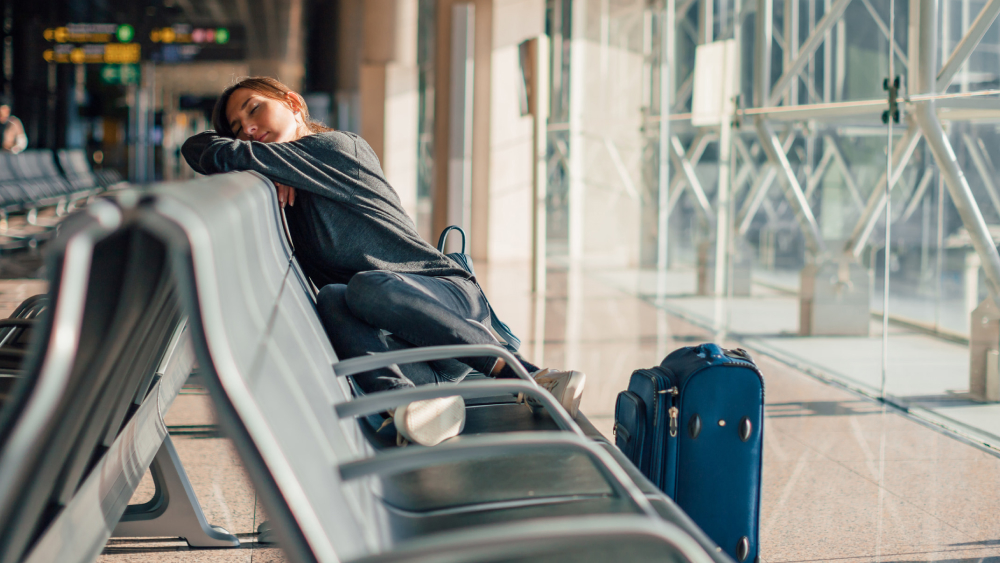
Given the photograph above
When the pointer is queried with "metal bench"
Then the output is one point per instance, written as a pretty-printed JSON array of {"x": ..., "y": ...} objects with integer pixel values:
[
  {"x": 202, "y": 269},
  {"x": 83, "y": 420},
  {"x": 31, "y": 181},
  {"x": 332, "y": 491},
  {"x": 76, "y": 168}
]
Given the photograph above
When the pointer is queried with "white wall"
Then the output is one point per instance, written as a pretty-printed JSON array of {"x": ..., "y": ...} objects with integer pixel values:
[
  {"x": 388, "y": 92},
  {"x": 510, "y": 186}
]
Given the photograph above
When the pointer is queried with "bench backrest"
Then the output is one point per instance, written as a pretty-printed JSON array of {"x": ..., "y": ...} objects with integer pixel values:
[
  {"x": 267, "y": 362},
  {"x": 7, "y": 167},
  {"x": 113, "y": 312},
  {"x": 35, "y": 165},
  {"x": 77, "y": 169}
]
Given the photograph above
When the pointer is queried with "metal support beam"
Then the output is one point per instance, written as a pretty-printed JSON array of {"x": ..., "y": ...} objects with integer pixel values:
[
  {"x": 817, "y": 175},
  {"x": 965, "y": 47},
  {"x": 918, "y": 195},
  {"x": 688, "y": 170},
  {"x": 747, "y": 169},
  {"x": 852, "y": 184},
  {"x": 885, "y": 32},
  {"x": 623, "y": 173},
  {"x": 758, "y": 191},
  {"x": 754, "y": 199},
  {"x": 958, "y": 186},
  {"x": 706, "y": 22},
  {"x": 764, "y": 34},
  {"x": 984, "y": 169},
  {"x": 876, "y": 201},
  {"x": 791, "y": 50},
  {"x": 793, "y": 191},
  {"x": 663, "y": 208},
  {"x": 806, "y": 51},
  {"x": 693, "y": 156},
  {"x": 744, "y": 152},
  {"x": 683, "y": 93}
]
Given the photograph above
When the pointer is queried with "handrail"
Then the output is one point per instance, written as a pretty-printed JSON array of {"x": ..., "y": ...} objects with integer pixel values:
[
  {"x": 362, "y": 364},
  {"x": 379, "y": 402},
  {"x": 430, "y": 353}
]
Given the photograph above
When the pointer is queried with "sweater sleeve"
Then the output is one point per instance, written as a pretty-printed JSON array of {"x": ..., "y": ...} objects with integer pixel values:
[{"x": 300, "y": 164}]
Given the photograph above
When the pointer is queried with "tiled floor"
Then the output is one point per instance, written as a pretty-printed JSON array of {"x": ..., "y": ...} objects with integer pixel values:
[
  {"x": 927, "y": 374},
  {"x": 844, "y": 480}
]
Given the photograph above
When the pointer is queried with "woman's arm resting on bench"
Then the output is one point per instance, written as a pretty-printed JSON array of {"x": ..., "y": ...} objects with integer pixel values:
[{"x": 304, "y": 164}]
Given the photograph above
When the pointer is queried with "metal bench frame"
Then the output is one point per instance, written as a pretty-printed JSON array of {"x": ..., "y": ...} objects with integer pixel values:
[{"x": 189, "y": 228}]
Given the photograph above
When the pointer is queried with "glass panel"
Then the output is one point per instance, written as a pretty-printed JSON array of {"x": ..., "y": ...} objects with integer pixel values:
[{"x": 847, "y": 476}]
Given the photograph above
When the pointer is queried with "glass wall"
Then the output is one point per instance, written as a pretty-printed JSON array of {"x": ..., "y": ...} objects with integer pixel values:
[{"x": 791, "y": 177}]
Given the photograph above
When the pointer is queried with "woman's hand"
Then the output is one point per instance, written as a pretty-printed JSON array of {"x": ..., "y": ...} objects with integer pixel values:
[{"x": 286, "y": 194}]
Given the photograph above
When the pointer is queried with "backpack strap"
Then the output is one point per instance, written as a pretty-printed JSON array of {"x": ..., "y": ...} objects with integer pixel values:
[
  {"x": 512, "y": 342},
  {"x": 444, "y": 237}
]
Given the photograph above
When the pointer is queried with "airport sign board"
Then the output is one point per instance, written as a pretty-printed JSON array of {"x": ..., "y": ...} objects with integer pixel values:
[
  {"x": 118, "y": 43},
  {"x": 120, "y": 74},
  {"x": 90, "y": 33},
  {"x": 92, "y": 43},
  {"x": 106, "y": 53},
  {"x": 179, "y": 43}
]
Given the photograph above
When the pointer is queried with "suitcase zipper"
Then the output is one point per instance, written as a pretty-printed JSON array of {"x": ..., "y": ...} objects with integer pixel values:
[{"x": 673, "y": 411}]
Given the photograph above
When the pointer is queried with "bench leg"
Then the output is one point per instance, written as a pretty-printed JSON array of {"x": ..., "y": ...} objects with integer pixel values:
[
  {"x": 174, "y": 510},
  {"x": 265, "y": 533}
]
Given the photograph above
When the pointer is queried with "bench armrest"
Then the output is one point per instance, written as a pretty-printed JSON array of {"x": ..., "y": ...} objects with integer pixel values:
[
  {"x": 379, "y": 402},
  {"x": 523, "y": 539},
  {"x": 408, "y": 459},
  {"x": 430, "y": 353}
]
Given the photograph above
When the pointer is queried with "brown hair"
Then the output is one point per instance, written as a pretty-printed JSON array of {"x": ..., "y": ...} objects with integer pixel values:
[{"x": 267, "y": 87}]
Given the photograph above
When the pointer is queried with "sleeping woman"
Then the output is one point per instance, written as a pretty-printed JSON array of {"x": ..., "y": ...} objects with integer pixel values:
[{"x": 354, "y": 241}]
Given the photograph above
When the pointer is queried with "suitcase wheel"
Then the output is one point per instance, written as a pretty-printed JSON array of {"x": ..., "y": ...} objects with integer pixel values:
[
  {"x": 742, "y": 549},
  {"x": 746, "y": 428},
  {"x": 694, "y": 426}
]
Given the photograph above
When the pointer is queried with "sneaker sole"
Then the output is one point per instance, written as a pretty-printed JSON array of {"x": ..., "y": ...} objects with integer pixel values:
[
  {"x": 574, "y": 392},
  {"x": 431, "y": 422},
  {"x": 571, "y": 394}
]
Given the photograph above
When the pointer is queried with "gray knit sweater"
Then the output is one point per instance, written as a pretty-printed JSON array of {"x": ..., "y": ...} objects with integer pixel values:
[{"x": 346, "y": 219}]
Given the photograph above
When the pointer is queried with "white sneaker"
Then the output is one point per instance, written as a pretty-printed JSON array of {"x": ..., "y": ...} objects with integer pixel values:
[
  {"x": 430, "y": 422},
  {"x": 565, "y": 386}
]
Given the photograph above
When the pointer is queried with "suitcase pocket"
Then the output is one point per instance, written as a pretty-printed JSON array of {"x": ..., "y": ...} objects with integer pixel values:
[{"x": 630, "y": 427}]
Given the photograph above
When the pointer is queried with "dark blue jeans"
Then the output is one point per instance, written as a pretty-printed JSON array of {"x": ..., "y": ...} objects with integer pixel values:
[{"x": 417, "y": 311}]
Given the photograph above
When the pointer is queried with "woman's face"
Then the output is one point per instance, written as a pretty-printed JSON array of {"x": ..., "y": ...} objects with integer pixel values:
[{"x": 254, "y": 117}]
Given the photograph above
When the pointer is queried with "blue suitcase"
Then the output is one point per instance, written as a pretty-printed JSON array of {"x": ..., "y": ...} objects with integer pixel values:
[{"x": 694, "y": 426}]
